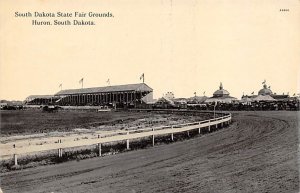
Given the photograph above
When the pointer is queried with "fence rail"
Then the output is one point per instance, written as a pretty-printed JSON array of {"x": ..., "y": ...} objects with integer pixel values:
[{"x": 122, "y": 136}]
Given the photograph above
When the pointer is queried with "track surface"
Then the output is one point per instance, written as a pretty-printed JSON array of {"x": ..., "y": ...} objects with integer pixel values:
[{"x": 257, "y": 153}]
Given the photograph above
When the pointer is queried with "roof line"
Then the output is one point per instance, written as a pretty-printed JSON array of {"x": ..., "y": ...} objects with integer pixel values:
[{"x": 81, "y": 90}]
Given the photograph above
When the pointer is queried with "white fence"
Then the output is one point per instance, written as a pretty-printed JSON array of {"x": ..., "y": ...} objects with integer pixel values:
[{"x": 124, "y": 136}]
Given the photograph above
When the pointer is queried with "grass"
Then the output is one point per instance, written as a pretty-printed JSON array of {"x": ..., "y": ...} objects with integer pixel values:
[{"x": 35, "y": 121}]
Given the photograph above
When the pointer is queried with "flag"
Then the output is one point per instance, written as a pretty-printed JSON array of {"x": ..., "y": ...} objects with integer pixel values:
[
  {"x": 204, "y": 93},
  {"x": 294, "y": 94},
  {"x": 269, "y": 87},
  {"x": 252, "y": 92},
  {"x": 60, "y": 86},
  {"x": 195, "y": 93},
  {"x": 108, "y": 81},
  {"x": 81, "y": 82},
  {"x": 142, "y": 77},
  {"x": 264, "y": 82}
]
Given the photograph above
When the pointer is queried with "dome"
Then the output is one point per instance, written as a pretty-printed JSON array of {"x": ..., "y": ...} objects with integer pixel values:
[
  {"x": 265, "y": 91},
  {"x": 221, "y": 92}
]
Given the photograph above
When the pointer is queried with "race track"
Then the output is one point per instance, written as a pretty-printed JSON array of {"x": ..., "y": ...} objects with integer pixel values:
[{"x": 257, "y": 153}]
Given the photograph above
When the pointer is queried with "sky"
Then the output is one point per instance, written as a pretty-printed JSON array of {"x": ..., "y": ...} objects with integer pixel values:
[{"x": 181, "y": 46}]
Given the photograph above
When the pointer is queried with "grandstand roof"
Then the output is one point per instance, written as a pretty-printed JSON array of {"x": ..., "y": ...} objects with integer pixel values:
[
  {"x": 40, "y": 96},
  {"x": 117, "y": 88}
]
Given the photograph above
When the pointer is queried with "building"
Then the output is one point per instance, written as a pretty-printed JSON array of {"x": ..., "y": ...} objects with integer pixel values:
[
  {"x": 3, "y": 105},
  {"x": 120, "y": 96},
  {"x": 267, "y": 93},
  {"x": 265, "y": 90},
  {"x": 221, "y": 95},
  {"x": 169, "y": 95},
  {"x": 164, "y": 103},
  {"x": 40, "y": 99},
  {"x": 168, "y": 100},
  {"x": 196, "y": 100},
  {"x": 180, "y": 103}
]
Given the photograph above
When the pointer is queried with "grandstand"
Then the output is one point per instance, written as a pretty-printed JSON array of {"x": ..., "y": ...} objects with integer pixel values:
[
  {"x": 119, "y": 96},
  {"x": 40, "y": 99}
]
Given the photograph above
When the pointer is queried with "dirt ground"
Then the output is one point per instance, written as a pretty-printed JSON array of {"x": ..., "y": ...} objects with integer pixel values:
[{"x": 257, "y": 153}]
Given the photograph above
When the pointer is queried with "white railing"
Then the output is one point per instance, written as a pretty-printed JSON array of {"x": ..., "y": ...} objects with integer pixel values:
[{"x": 121, "y": 136}]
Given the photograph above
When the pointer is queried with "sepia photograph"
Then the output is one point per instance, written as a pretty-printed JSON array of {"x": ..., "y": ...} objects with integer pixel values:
[{"x": 132, "y": 96}]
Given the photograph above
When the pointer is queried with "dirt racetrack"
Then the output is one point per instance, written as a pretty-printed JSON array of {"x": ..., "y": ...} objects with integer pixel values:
[{"x": 257, "y": 153}]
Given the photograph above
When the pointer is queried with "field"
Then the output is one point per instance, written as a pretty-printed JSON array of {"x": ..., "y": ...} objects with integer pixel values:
[
  {"x": 257, "y": 153},
  {"x": 34, "y": 129},
  {"x": 35, "y": 121}
]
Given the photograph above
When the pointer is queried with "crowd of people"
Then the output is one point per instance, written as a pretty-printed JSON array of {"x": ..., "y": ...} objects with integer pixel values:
[{"x": 292, "y": 105}]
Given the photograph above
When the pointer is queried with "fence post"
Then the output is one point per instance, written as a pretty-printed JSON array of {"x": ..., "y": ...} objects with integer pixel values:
[
  {"x": 127, "y": 142},
  {"x": 15, "y": 159},
  {"x": 172, "y": 135},
  {"x": 15, "y": 156},
  {"x": 188, "y": 133},
  {"x": 60, "y": 152},
  {"x": 99, "y": 150},
  {"x": 199, "y": 130},
  {"x": 153, "y": 139}
]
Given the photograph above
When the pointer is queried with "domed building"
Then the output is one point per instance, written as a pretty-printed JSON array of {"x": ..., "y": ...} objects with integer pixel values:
[
  {"x": 266, "y": 94},
  {"x": 221, "y": 92},
  {"x": 265, "y": 91},
  {"x": 221, "y": 95}
]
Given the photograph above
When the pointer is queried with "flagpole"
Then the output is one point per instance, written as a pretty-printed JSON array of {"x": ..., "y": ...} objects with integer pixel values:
[
  {"x": 142, "y": 77},
  {"x": 215, "y": 109}
]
